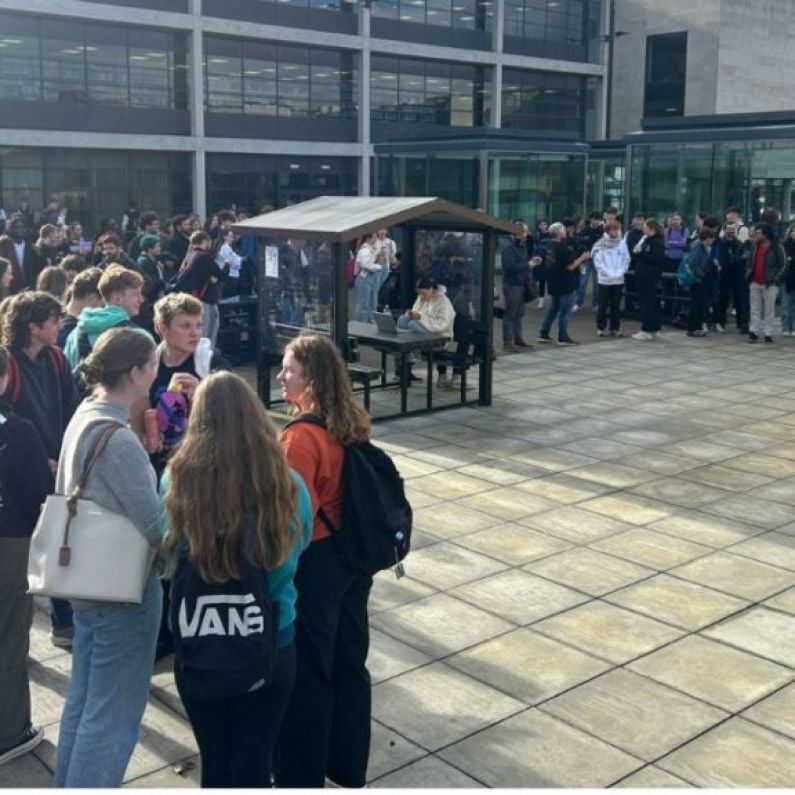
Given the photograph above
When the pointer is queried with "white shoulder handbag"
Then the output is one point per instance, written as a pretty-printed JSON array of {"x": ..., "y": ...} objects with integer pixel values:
[{"x": 80, "y": 550}]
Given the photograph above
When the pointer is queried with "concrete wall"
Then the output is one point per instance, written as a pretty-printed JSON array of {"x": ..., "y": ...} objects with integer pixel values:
[
  {"x": 642, "y": 18},
  {"x": 757, "y": 60}
]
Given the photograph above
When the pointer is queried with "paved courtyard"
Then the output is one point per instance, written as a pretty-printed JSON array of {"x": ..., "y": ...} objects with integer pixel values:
[{"x": 601, "y": 592}]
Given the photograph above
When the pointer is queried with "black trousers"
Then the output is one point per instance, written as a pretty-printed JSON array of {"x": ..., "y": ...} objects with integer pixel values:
[
  {"x": 514, "y": 312},
  {"x": 326, "y": 730},
  {"x": 609, "y": 305},
  {"x": 647, "y": 281},
  {"x": 699, "y": 297},
  {"x": 237, "y": 736},
  {"x": 733, "y": 287}
]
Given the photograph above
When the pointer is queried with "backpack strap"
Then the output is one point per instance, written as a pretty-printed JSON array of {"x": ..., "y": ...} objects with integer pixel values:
[{"x": 314, "y": 419}]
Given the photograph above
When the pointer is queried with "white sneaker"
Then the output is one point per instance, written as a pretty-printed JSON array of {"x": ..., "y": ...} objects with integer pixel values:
[
  {"x": 720, "y": 328},
  {"x": 642, "y": 336},
  {"x": 575, "y": 308},
  {"x": 600, "y": 333},
  {"x": 540, "y": 303}
]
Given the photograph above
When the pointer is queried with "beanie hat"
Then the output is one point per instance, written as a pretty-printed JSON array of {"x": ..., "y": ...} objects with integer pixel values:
[{"x": 149, "y": 241}]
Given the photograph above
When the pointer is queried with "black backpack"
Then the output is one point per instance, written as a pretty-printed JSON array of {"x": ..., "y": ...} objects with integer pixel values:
[
  {"x": 375, "y": 532},
  {"x": 224, "y": 634}
]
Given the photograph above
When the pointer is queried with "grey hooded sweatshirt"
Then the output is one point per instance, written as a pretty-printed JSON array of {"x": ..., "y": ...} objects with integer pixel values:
[{"x": 122, "y": 479}]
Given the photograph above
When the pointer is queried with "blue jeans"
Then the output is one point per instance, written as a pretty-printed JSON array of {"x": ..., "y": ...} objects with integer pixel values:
[
  {"x": 561, "y": 308},
  {"x": 366, "y": 296},
  {"x": 113, "y": 655},
  {"x": 787, "y": 310},
  {"x": 411, "y": 325},
  {"x": 587, "y": 271}
]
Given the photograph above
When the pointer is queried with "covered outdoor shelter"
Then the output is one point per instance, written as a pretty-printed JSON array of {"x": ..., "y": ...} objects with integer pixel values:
[{"x": 304, "y": 285}]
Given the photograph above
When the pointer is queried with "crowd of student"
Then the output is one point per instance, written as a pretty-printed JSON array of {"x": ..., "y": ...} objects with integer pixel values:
[
  {"x": 720, "y": 263},
  {"x": 209, "y": 481}
]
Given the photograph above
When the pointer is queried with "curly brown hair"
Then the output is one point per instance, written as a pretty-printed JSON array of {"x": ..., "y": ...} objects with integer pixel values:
[
  {"x": 229, "y": 466},
  {"x": 329, "y": 390},
  {"x": 17, "y": 312}
]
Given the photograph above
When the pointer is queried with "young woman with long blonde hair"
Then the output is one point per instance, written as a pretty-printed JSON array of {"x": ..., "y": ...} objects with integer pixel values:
[
  {"x": 231, "y": 501},
  {"x": 326, "y": 730}
]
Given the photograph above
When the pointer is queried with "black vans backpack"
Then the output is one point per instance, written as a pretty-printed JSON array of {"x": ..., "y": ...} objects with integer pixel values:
[
  {"x": 224, "y": 634},
  {"x": 375, "y": 532}
]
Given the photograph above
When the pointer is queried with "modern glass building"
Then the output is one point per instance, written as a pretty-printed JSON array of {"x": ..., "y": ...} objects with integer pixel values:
[
  {"x": 202, "y": 104},
  {"x": 710, "y": 163}
]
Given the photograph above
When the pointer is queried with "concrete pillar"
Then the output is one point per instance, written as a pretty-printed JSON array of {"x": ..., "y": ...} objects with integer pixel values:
[
  {"x": 197, "y": 109},
  {"x": 364, "y": 99},
  {"x": 498, "y": 36}
]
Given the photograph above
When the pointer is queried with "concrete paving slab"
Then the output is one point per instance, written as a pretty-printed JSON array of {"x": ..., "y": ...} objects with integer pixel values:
[
  {"x": 429, "y": 772},
  {"x": 440, "y": 625},
  {"x": 777, "y": 549},
  {"x": 519, "y": 597},
  {"x": 629, "y": 508},
  {"x": 677, "y": 602},
  {"x": 652, "y": 777},
  {"x": 563, "y": 487},
  {"x": 454, "y": 520},
  {"x": 633, "y": 713},
  {"x": 389, "y": 592},
  {"x": 25, "y": 772},
  {"x": 507, "y": 503},
  {"x": 777, "y": 712},
  {"x": 736, "y": 575},
  {"x": 679, "y": 491},
  {"x": 536, "y": 750},
  {"x": 608, "y": 632},
  {"x": 617, "y": 476},
  {"x": 763, "y": 463},
  {"x": 703, "y": 528},
  {"x": 527, "y": 665},
  {"x": 389, "y": 751},
  {"x": 784, "y": 601},
  {"x": 728, "y": 478},
  {"x": 389, "y": 657},
  {"x": 765, "y": 632},
  {"x": 587, "y": 570},
  {"x": 435, "y": 706},
  {"x": 512, "y": 543},
  {"x": 574, "y": 524},
  {"x": 446, "y": 565},
  {"x": 735, "y": 754},
  {"x": 690, "y": 665},
  {"x": 648, "y": 548}
]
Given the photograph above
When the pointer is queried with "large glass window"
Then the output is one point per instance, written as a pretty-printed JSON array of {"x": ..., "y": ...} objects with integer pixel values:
[
  {"x": 279, "y": 80},
  {"x": 565, "y": 22},
  {"x": 460, "y": 14},
  {"x": 95, "y": 184},
  {"x": 55, "y": 60},
  {"x": 428, "y": 92},
  {"x": 666, "y": 73},
  {"x": 533, "y": 186},
  {"x": 20, "y": 76},
  {"x": 253, "y": 181},
  {"x": 544, "y": 101}
]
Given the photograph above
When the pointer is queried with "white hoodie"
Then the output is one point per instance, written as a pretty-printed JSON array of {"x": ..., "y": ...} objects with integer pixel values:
[
  {"x": 437, "y": 313},
  {"x": 611, "y": 260}
]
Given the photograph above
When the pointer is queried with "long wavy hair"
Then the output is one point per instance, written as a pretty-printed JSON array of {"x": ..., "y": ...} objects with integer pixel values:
[
  {"x": 328, "y": 389},
  {"x": 230, "y": 467}
]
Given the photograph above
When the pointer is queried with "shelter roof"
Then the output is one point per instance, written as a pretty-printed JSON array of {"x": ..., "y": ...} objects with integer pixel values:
[{"x": 339, "y": 219}]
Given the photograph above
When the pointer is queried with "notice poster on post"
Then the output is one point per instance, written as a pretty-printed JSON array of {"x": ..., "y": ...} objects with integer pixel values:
[{"x": 272, "y": 262}]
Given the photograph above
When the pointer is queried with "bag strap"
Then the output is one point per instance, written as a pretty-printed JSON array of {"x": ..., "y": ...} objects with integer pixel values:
[{"x": 98, "y": 445}]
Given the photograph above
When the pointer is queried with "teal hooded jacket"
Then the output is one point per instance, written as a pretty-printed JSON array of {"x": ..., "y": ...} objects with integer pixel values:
[{"x": 93, "y": 321}]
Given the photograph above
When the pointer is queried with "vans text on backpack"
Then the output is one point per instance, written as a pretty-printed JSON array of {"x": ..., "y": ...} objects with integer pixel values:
[{"x": 224, "y": 633}]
